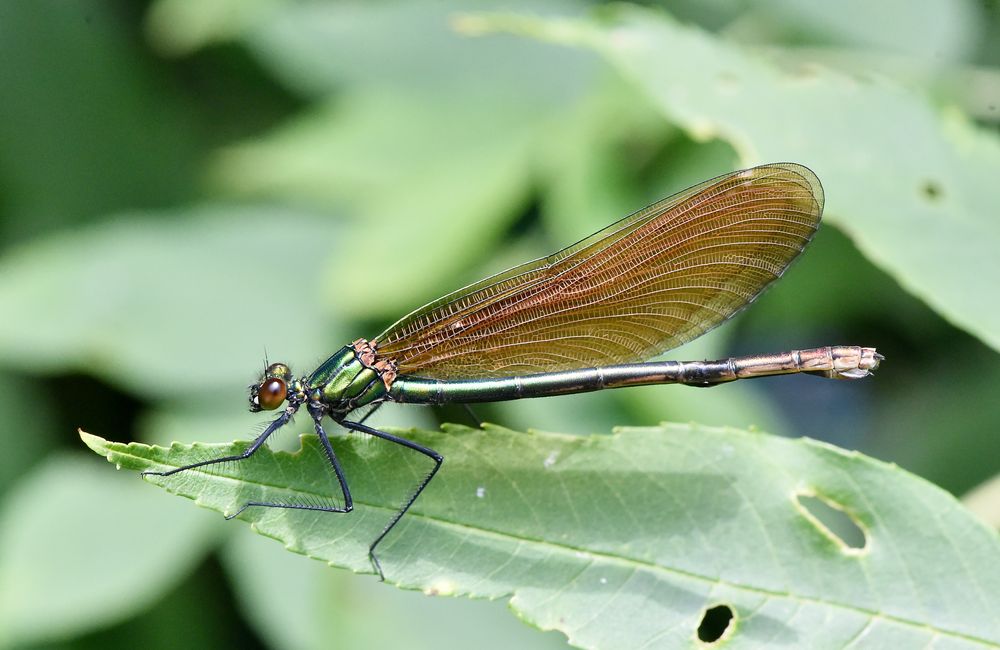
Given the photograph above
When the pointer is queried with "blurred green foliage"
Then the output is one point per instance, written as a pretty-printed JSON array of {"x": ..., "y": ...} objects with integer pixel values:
[{"x": 184, "y": 185}]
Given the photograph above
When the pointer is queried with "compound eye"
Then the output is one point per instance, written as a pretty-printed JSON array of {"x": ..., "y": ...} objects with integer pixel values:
[
  {"x": 271, "y": 393},
  {"x": 278, "y": 370}
]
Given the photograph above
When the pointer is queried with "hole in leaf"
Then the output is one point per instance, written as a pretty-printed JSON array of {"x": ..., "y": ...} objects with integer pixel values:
[
  {"x": 714, "y": 623},
  {"x": 831, "y": 519},
  {"x": 931, "y": 190}
]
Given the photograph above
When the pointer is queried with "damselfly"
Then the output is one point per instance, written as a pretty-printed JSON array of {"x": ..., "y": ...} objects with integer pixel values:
[{"x": 582, "y": 319}]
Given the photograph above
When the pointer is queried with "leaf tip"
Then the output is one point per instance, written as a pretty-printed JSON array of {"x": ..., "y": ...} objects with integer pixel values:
[{"x": 98, "y": 444}]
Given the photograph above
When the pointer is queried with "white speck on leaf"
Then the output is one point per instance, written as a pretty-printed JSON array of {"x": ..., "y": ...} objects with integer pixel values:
[
  {"x": 440, "y": 587},
  {"x": 480, "y": 491},
  {"x": 550, "y": 460}
]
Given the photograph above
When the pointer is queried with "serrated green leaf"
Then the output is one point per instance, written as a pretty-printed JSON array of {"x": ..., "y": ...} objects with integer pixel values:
[
  {"x": 913, "y": 187},
  {"x": 623, "y": 541}
]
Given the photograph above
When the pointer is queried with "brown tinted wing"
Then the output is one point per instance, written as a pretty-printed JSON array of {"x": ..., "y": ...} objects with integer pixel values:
[{"x": 648, "y": 283}]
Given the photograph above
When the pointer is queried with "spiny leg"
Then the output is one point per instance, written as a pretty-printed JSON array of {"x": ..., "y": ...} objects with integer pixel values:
[
  {"x": 279, "y": 422},
  {"x": 332, "y": 457},
  {"x": 426, "y": 451},
  {"x": 317, "y": 416}
]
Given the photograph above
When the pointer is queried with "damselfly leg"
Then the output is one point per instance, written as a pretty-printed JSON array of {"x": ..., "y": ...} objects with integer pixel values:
[
  {"x": 426, "y": 451},
  {"x": 279, "y": 422}
]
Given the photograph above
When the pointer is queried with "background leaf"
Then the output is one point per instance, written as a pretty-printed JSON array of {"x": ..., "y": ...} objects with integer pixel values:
[
  {"x": 304, "y": 619},
  {"x": 58, "y": 585},
  {"x": 109, "y": 318},
  {"x": 924, "y": 216}
]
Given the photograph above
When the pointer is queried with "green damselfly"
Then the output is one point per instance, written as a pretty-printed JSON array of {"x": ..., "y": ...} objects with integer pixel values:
[{"x": 582, "y": 319}]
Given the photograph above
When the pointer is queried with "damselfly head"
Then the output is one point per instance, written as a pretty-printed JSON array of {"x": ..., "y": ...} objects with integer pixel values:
[{"x": 272, "y": 389}]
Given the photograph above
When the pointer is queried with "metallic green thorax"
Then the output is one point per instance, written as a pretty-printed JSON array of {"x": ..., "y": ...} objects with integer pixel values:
[{"x": 344, "y": 383}]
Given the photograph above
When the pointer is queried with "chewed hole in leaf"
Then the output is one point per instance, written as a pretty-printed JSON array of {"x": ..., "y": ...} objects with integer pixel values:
[
  {"x": 715, "y": 622},
  {"x": 834, "y": 521}
]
